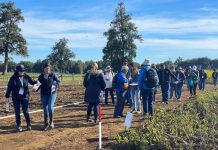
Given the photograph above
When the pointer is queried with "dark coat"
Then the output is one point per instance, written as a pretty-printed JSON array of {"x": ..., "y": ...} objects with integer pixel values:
[
  {"x": 14, "y": 85},
  {"x": 94, "y": 84},
  {"x": 46, "y": 83},
  {"x": 164, "y": 76}
]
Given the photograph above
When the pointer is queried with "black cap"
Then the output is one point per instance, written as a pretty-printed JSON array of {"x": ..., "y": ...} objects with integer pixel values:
[
  {"x": 45, "y": 65},
  {"x": 20, "y": 68}
]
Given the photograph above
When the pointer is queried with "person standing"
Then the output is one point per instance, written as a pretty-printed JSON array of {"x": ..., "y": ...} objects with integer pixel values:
[
  {"x": 164, "y": 80},
  {"x": 94, "y": 84},
  {"x": 18, "y": 86},
  {"x": 173, "y": 83},
  {"x": 148, "y": 81},
  {"x": 121, "y": 91},
  {"x": 200, "y": 74},
  {"x": 214, "y": 77},
  {"x": 203, "y": 78},
  {"x": 48, "y": 93},
  {"x": 181, "y": 76},
  {"x": 156, "y": 88},
  {"x": 193, "y": 81},
  {"x": 135, "y": 92},
  {"x": 108, "y": 78}
]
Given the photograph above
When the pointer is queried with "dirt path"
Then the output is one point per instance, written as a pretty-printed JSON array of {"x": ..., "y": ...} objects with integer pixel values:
[{"x": 71, "y": 130}]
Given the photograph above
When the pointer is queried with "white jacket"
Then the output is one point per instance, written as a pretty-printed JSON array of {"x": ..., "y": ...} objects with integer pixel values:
[{"x": 108, "y": 77}]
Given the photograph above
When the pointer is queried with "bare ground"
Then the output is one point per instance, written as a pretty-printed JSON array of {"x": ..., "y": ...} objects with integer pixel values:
[{"x": 71, "y": 130}]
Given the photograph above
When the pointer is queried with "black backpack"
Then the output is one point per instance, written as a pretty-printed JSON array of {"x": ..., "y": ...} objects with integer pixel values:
[
  {"x": 114, "y": 82},
  {"x": 150, "y": 78}
]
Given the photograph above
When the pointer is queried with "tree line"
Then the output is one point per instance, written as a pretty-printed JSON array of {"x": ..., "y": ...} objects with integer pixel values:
[{"x": 120, "y": 45}]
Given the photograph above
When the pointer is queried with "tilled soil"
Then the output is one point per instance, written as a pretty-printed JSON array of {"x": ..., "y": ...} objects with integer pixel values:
[{"x": 71, "y": 129}]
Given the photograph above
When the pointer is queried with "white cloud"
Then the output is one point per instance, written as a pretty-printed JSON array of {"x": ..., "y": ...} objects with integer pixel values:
[
  {"x": 176, "y": 26},
  {"x": 209, "y": 9},
  {"x": 202, "y": 44}
]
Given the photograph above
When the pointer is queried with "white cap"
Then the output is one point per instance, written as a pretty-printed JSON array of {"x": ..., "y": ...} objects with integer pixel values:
[
  {"x": 126, "y": 68},
  {"x": 194, "y": 68}
]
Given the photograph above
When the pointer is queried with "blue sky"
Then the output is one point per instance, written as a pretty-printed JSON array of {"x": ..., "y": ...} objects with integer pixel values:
[{"x": 170, "y": 28}]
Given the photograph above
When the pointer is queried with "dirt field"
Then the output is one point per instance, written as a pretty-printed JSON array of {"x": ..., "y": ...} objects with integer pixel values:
[{"x": 71, "y": 130}]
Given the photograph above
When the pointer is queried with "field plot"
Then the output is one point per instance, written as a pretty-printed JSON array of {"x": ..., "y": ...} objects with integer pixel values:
[{"x": 71, "y": 130}]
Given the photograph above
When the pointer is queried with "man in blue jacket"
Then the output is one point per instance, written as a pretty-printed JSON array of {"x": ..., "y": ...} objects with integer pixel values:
[
  {"x": 147, "y": 90},
  {"x": 121, "y": 90}
]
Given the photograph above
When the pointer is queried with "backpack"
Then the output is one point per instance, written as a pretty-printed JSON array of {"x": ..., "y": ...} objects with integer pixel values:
[
  {"x": 150, "y": 78},
  {"x": 195, "y": 78},
  {"x": 190, "y": 81},
  {"x": 114, "y": 82}
]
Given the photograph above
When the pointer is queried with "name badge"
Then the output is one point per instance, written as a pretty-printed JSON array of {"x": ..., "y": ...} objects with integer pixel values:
[{"x": 21, "y": 91}]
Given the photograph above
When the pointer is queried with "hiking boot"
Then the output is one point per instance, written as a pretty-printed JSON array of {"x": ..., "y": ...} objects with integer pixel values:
[{"x": 19, "y": 129}]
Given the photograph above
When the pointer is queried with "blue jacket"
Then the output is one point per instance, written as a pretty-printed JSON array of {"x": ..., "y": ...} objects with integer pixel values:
[
  {"x": 142, "y": 73},
  {"x": 121, "y": 79}
]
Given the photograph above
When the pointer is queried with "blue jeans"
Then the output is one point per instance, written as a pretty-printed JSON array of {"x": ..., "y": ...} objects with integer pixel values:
[
  {"x": 48, "y": 106},
  {"x": 202, "y": 84},
  {"x": 165, "y": 91},
  {"x": 179, "y": 90},
  {"x": 25, "y": 108},
  {"x": 135, "y": 95},
  {"x": 214, "y": 82},
  {"x": 173, "y": 90},
  {"x": 147, "y": 98},
  {"x": 118, "y": 110}
]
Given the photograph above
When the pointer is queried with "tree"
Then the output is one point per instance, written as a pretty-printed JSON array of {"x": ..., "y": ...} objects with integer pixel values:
[
  {"x": 11, "y": 40},
  {"x": 61, "y": 55},
  {"x": 121, "y": 38},
  {"x": 178, "y": 61}
]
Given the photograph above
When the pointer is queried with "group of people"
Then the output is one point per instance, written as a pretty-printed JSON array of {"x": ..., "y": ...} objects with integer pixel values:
[
  {"x": 133, "y": 85},
  {"x": 18, "y": 87}
]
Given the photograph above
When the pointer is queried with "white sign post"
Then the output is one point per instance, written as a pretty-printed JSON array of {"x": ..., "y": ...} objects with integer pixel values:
[{"x": 128, "y": 120}]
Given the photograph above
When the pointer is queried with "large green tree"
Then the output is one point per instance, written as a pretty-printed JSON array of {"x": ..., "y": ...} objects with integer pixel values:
[
  {"x": 11, "y": 39},
  {"x": 61, "y": 55},
  {"x": 121, "y": 38}
]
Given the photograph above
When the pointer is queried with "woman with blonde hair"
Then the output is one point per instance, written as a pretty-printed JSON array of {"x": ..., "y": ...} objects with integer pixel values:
[{"x": 94, "y": 84}]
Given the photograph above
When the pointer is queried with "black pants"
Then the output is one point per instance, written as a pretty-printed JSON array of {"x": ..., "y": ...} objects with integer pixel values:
[
  {"x": 25, "y": 108},
  {"x": 193, "y": 89},
  {"x": 95, "y": 109},
  {"x": 111, "y": 93}
]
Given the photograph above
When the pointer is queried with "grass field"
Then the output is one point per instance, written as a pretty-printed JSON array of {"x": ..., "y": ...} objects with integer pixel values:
[{"x": 65, "y": 78}]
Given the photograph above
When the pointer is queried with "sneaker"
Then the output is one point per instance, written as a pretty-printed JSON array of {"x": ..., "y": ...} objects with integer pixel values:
[
  {"x": 122, "y": 115},
  {"x": 52, "y": 125},
  {"x": 116, "y": 116},
  {"x": 163, "y": 102},
  {"x": 19, "y": 129},
  {"x": 138, "y": 111},
  {"x": 29, "y": 128},
  {"x": 46, "y": 127},
  {"x": 166, "y": 102}
]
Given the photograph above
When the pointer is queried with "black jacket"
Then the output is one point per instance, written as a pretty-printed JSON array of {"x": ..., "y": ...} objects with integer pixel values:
[
  {"x": 94, "y": 85},
  {"x": 14, "y": 85},
  {"x": 47, "y": 80},
  {"x": 164, "y": 76}
]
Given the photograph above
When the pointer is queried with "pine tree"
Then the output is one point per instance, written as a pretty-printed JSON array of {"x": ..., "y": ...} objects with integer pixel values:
[{"x": 121, "y": 38}]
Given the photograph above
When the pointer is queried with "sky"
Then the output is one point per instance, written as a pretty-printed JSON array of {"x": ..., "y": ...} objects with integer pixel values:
[{"x": 169, "y": 28}]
